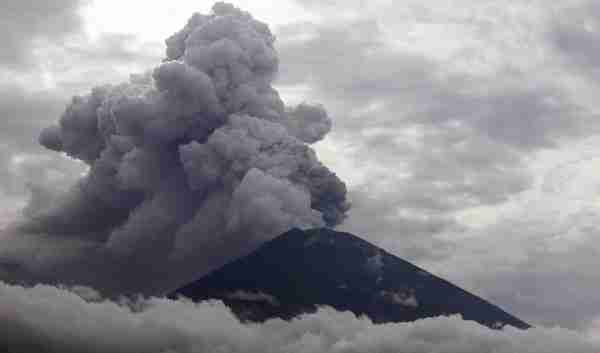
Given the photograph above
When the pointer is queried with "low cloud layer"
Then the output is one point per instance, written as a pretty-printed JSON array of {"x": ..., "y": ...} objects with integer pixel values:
[
  {"x": 52, "y": 319},
  {"x": 190, "y": 165}
]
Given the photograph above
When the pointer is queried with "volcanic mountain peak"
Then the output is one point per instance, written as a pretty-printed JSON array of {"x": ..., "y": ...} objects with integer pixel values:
[{"x": 301, "y": 270}]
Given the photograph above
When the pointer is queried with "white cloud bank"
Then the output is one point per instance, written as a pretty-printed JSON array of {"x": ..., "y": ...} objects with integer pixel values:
[{"x": 51, "y": 319}]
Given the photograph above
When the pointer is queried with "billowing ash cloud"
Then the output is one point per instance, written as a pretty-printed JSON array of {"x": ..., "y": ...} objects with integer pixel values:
[
  {"x": 190, "y": 165},
  {"x": 50, "y": 319}
]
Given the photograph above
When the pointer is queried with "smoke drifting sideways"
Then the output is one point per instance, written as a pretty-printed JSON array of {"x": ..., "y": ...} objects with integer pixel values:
[{"x": 190, "y": 165}]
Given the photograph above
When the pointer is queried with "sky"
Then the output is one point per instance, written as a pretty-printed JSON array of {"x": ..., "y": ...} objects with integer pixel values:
[{"x": 465, "y": 131}]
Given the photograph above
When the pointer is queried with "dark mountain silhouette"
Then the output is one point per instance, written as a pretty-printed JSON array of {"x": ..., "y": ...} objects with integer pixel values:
[{"x": 300, "y": 270}]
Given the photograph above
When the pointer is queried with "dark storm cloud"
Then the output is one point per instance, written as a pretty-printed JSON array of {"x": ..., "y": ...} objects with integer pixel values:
[
  {"x": 190, "y": 165},
  {"x": 63, "y": 320},
  {"x": 23, "y": 22}
]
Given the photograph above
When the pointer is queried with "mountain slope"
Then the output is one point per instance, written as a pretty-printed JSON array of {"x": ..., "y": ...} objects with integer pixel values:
[{"x": 299, "y": 270}]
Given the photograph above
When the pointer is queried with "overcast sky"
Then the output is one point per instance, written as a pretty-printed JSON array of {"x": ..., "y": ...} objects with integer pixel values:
[{"x": 467, "y": 131}]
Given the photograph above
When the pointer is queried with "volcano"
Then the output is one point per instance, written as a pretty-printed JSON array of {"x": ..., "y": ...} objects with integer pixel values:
[{"x": 299, "y": 271}]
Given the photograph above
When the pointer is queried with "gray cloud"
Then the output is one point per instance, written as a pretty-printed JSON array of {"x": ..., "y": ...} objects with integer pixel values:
[
  {"x": 24, "y": 113},
  {"x": 543, "y": 268},
  {"x": 575, "y": 33},
  {"x": 355, "y": 69},
  {"x": 190, "y": 165},
  {"x": 60, "y": 320},
  {"x": 83, "y": 63},
  {"x": 44, "y": 59},
  {"x": 25, "y": 164},
  {"x": 435, "y": 141},
  {"x": 23, "y": 23},
  {"x": 49, "y": 58},
  {"x": 431, "y": 135}
]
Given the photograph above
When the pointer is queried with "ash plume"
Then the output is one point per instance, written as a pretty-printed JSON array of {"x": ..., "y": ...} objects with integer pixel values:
[{"x": 190, "y": 165}]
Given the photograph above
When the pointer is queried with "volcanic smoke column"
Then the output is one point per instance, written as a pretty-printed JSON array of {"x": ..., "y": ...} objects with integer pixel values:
[{"x": 194, "y": 163}]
